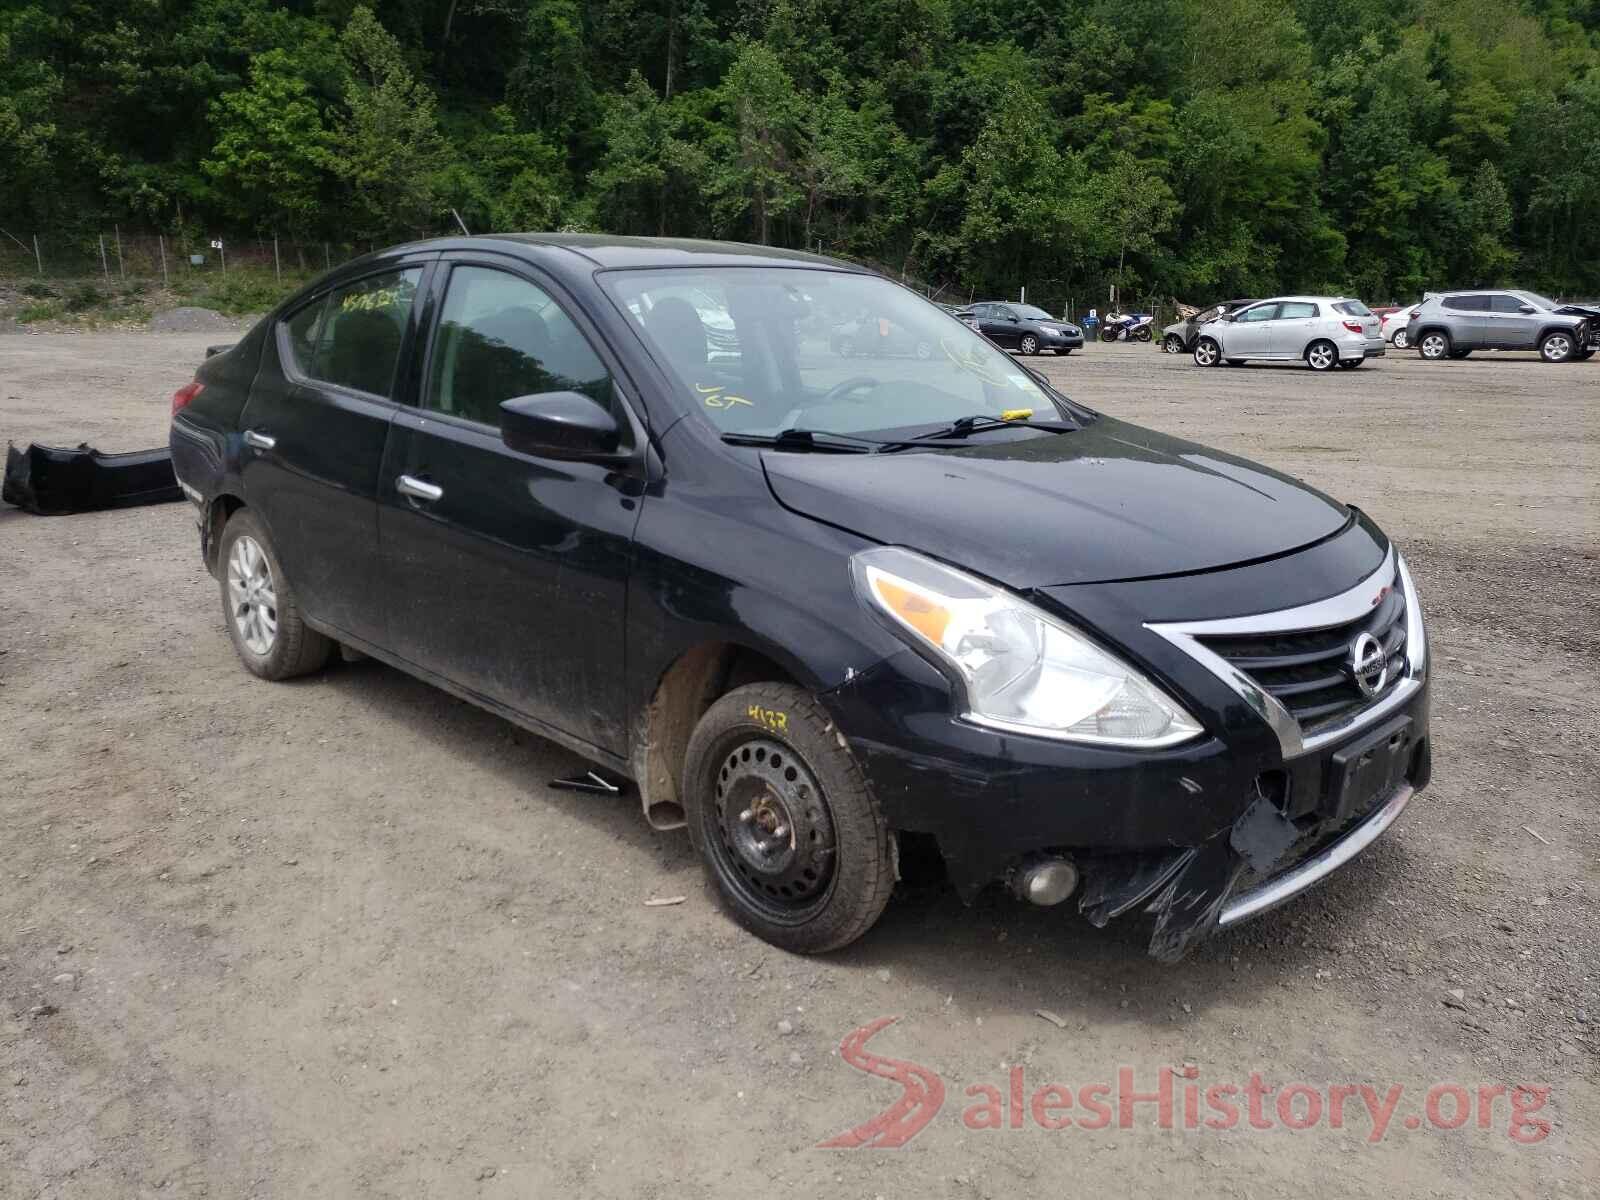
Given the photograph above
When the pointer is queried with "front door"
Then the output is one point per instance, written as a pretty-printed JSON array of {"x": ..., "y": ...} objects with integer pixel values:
[
  {"x": 1000, "y": 325},
  {"x": 314, "y": 430},
  {"x": 506, "y": 574},
  {"x": 1507, "y": 327},
  {"x": 1246, "y": 336}
]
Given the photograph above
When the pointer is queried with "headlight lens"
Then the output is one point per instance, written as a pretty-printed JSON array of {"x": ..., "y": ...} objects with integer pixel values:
[{"x": 1021, "y": 669}]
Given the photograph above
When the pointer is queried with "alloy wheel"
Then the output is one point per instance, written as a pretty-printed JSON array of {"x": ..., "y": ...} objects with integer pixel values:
[
  {"x": 1029, "y": 345},
  {"x": 1557, "y": 348},
  {"x": 1172, "y": 344},
  {"x": 252, "y": 599},
  {"x": 1401, "y": 341},
  {"x": 1322, "y": 356},
  {"x": 1434, "y": 345},
  {"x": 1205, "y": 353}
]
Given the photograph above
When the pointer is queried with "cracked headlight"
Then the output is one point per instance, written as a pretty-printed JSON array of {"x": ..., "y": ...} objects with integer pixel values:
[{"x": 1021, "y": 669}]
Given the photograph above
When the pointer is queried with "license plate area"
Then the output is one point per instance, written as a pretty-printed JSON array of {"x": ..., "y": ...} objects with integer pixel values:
[{"x": 1366, "y": 771}]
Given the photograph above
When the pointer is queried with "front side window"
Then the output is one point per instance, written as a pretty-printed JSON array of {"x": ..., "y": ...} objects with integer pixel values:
[
  {"x": 1261, "y": 312},
  {"x": 1298, "y": 311},
  {"x": 501, "y": 337},
  {"x": 351, "y": 338},
  {"x": 803, "y": 362}
]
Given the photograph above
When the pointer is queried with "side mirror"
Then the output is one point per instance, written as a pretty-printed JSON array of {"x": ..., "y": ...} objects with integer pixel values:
[
  {"x": 564, "y": 425},
  {"x": 1526, "y": 309}
]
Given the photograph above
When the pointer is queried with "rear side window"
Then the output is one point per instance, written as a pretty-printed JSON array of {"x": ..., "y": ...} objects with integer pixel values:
[
  {"x": 1467, "y": 303},
  {"x": 1297, "y": 311},
  {"x": 1352, "y": 308},
  {"x": 501, "y": 337},
  {"x": 352, "y": 337}
]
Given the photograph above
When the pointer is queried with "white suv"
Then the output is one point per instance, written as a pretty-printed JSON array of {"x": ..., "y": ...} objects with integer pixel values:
[{"x": 1325, "y": 331}]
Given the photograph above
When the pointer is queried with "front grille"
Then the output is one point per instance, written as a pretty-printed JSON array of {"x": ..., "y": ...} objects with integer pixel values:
[{"x": 1305, "y": 669}]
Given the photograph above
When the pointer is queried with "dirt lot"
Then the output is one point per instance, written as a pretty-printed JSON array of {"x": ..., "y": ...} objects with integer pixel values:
[{"x": 338, "y": 938}]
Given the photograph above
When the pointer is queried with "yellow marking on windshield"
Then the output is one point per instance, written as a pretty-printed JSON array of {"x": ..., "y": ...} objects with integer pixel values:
[
  {"x": 1017, "y": 414},
  {"x": 717, "y": 397}
]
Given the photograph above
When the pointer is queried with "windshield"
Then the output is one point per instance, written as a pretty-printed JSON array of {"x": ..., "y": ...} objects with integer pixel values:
[
  {"x": 758, "y": 350},
  {"x": 1536, "y": 300},
  {"x": 1029, "y": 312}
]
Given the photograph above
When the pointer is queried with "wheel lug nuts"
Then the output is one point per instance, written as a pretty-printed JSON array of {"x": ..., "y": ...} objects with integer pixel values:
[
  {"x": 782, "y": 831},
  {"x": 747, "y": 815}
]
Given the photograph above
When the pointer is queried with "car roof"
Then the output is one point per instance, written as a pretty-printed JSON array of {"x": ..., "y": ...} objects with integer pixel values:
[{"x": 614, "y": 251}]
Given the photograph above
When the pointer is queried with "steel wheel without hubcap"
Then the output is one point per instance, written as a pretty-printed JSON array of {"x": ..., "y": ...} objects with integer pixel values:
[
  {"x": 1205, "y": 353},
  {"x": 1556, "y": 348},
  {"x": 1434, "y": 345},
  {"x": 253, "y": 602},
  {"x": 1322, "y": 356},
  {"x": 774, "y": 833}
]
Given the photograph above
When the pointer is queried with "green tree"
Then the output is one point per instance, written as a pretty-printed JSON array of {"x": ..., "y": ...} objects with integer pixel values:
[{"x": 388, "y": 146}]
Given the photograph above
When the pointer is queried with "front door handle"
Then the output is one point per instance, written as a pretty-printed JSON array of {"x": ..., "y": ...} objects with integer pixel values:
[
  {"x": 418, "y": 489},
  {"x": 259, "y": 440}
]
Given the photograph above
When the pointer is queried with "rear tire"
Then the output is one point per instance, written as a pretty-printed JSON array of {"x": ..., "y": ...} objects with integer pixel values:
[
  {"x": 1401, "y": 341},
  {"x": 1322, "y": 355},
  {"x": 1433, "y": 345},
  {"x": 1557, "y": 347},
  {"x": 261, "y": 610},
  {"x": 783, "y": 820},
  {"x": 1207, "y": 353}
]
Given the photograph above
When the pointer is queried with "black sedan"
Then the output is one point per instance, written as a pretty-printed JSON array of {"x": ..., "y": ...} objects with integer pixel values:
[
  {"x": 1023, "y": 328},
  {"x": 1075, "y": 657}
]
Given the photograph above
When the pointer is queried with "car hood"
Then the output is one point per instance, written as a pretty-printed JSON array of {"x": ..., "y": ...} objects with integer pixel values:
[
  {"x": 1063, "y": 326},
  {"x": 1111, "y": 501}
]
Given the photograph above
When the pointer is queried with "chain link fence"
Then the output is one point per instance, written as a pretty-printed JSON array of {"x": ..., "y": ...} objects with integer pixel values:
[{"x": 123, "y": 254}]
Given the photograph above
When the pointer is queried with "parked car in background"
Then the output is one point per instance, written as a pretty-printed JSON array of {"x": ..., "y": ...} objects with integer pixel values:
[
  {"x": 813, "y": 609},
  {"x": 1023, "y": 327},
  {"x": 876, "y": 337},
  {"x": 1392, "y": 322},
  {"x": 1323, "y": 331},
  {"x": 1180, "y": 338},
  {"x": 1454, "y": 324}
]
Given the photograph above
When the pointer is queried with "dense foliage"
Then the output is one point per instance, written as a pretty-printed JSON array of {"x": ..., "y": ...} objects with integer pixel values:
[{"x": 1190, "y": 147}]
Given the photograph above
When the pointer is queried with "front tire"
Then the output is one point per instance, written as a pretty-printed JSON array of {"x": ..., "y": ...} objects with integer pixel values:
[
  {"x": 783, "y": 820},
  {"x": 1322, "y": 356},
  {"x": 1433, "y": 345},
  {"x": 1557, "y": 347},
  {"x": 261, "y": 609},
  {"x": 1207, "y": 353},
  {"x": 1172, "y": 344},
  {"x": 1029, "y": 344}
]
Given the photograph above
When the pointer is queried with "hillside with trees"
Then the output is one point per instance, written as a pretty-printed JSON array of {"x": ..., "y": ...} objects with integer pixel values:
[{"x": 1193, "y": 147}]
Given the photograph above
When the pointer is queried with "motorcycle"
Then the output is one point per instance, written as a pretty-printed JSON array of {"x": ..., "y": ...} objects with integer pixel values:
[{"x": 1127, "y": 327}]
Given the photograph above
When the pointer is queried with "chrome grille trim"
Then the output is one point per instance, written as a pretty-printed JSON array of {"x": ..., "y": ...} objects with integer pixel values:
[{"x": 1335, "y": 610}]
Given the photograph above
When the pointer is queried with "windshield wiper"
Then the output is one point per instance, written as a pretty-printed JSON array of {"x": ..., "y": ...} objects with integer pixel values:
[
  {"x": 805, "y": 439},
  {"x": 966, "y": 426}
]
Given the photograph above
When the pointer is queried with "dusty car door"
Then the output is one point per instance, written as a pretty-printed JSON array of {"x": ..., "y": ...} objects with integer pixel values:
[
  {"x": 1508, "y": 327},
  {"x": 506, "y": 574},
  {"x": 314, "y": 429}
]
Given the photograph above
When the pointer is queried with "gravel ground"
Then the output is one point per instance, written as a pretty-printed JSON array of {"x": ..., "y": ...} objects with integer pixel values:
[{"x": 338, "y": 937}]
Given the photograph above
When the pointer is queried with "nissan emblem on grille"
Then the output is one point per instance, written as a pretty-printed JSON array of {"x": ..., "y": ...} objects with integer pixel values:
[{"x": 1368, "y": 664}]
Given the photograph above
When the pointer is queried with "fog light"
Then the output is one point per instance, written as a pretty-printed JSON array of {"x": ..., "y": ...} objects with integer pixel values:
[{"x": 1047, "y": 881}]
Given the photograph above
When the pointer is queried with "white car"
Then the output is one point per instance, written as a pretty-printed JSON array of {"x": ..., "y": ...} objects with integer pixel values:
[{"x": 1323, "y": 331}]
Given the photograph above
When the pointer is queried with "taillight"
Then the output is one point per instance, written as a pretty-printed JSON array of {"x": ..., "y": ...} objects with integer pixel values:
[
  {"x": 1414, "y": 314},
  {"x": 185, "y": 395},
  {"x": 1353, "y": 326}
]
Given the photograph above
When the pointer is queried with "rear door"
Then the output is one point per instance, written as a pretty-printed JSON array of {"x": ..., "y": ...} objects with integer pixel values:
[
  {"x": 1468, "y": 321},
  {"x": 507, "y": 574},
  {"x": 313, "y": 438},
  {"x": 1292, "y": 330}
]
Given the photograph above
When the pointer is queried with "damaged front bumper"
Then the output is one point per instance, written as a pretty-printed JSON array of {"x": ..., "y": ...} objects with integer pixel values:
[{"x": 50, "y": 480}]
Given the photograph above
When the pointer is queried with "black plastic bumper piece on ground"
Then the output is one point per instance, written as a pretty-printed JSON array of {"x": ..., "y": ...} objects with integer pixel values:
[{"x": 49, "y": 480}]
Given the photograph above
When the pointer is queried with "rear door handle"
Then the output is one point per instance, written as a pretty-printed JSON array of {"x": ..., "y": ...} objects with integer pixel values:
[
  {"x": 259, "y": 440},
  {"x": 418, "y": 489}
]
